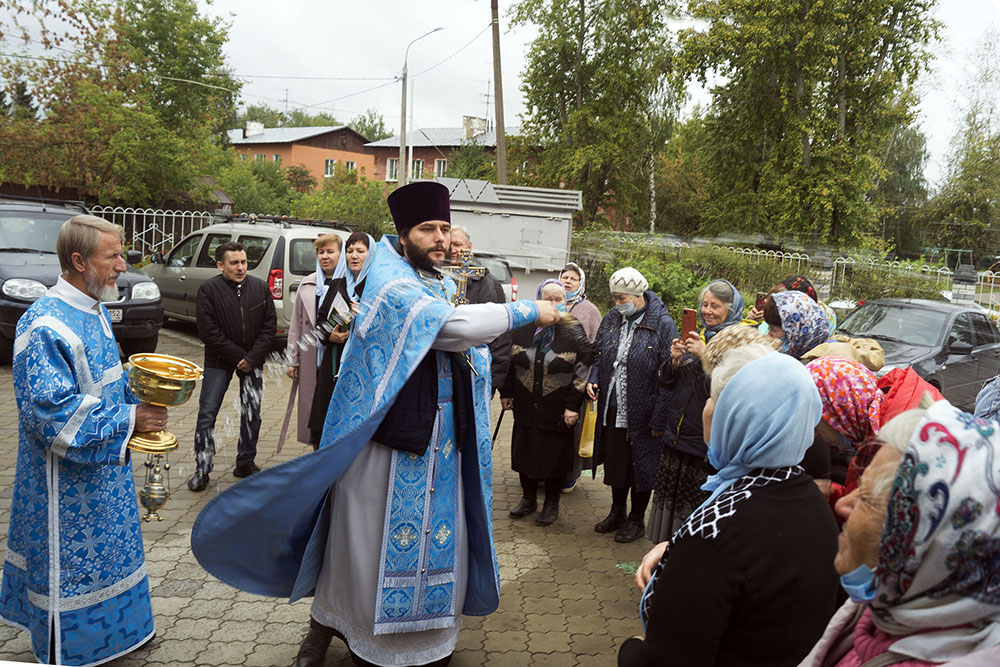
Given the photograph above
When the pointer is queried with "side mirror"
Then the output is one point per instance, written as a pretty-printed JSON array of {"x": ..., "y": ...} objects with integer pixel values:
[
  {"x": 960, "y": 347},
  {"x": 156, "y": 258},
  {"x": 133, "y": 257}
]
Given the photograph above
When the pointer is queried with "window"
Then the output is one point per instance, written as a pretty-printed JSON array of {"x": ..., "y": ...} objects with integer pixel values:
[
  {"x": 260, "y": 157},
  {"x": 277, "y": 157},
  {"x": 440, "y": 166},
  {"x": 206, "y": 258},
  {"x": 256, "y": 247},
  {"x": 961, "y": 332},
  {"x": 418, "y": 169},
  {"x": 329, "y": 166},
  {"x": 243, "y": 156},
  {"x": 392, "y": 169},
  {"x": 984, "y": 332},
  {"x": 351, "y": 164},
  {"x": 301, "y": 257},
  {"x": 184, "y": 253}
]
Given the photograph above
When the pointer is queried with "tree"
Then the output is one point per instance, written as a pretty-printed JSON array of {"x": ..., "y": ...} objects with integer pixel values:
[
  {"x": 257, "y": 186},
  {"x": 901, "y": 192},
  {"x": 260, "y": 113},
  {"x": 681, "y": 188},
  {"x": 351, "y": 199},
  {"x": 370, "y": 125},
  {"x": 300, "y": 178},
  {"x": 470, "y": 160},
  {"x": 597, "y": 85},
  {"x": 22, "y": 104},
  {"x": 299, "y": 118},
  {"x": 807, "y": 105}
]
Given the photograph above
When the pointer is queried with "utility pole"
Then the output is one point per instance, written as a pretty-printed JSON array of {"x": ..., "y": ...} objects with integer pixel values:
[
  {"x": 498, "y": 96},
  {"x": 401, "y": 167}
]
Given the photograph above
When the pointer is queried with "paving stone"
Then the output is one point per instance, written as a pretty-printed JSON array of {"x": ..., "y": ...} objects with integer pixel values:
[
  {"x": 594, "y": 644},
  {"x": 542, "y": 606},
  {"x": 265, "y": 655},
  {"x": 505, "y": 641},
  {"x": 547, "y": 642},
  {"x": 237, "y": 631}
]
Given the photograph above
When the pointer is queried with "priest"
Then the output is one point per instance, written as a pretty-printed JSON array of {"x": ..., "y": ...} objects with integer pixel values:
[{"x": 388, "y": 525}]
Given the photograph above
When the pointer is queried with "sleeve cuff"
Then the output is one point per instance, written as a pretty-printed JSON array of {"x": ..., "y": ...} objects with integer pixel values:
[{"x": 520, "y": 313}]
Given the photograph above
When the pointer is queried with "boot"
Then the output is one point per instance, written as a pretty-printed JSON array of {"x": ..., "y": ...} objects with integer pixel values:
[
  {"x": 613, "y": 521},
  {"x": 549, "y": 513},
  {"x": 524, "y": 508},
  {"x": 630, "y": 532},
  {"x": 312, "y": 653}
]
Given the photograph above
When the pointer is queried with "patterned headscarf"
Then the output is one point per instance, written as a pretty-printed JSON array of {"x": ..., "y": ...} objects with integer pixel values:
[
  {"x": 938, "y": 572},
  {"x": 803, "y": 322},
  {"x": 800, "y": 284},
  {"x": 729, "y": 339},
  {"x": 851, "y": 398},
  {"x": 734, "y": 316}
]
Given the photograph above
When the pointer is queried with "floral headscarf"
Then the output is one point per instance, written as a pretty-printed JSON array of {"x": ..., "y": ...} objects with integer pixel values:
[
  {"x": 800, "y": 284},
  {"x": 938, "y": 573},
  {"x": 803, "y": 321},
  {"x": 851, "y": 398},
  {"x": 730, "y": 338}
]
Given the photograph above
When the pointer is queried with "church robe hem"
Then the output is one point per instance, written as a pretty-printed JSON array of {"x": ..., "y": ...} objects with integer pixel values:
[{"x": 14, "y": 624}]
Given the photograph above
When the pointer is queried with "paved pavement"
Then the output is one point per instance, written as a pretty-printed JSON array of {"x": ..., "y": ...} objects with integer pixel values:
[{"x": 567, "y": 595}]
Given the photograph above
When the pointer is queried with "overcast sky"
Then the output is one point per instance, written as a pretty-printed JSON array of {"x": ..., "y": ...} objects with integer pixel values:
[{"x": 365, "y": 41}]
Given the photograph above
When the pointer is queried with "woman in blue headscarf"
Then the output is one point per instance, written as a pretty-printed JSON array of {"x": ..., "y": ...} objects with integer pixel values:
[
  {"x": 545, "y": 388},
  {"x": 349, "y": 282},
  {"x": 746, "y": 579},
  {"x": 682, "y": 468}
]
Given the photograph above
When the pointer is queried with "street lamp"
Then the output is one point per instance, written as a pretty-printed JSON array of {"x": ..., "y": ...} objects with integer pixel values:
[{"x": 401, "y": 167}]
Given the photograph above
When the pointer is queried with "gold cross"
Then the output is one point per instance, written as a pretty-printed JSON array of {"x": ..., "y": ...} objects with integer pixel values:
[{"x": 461, "y": 275}]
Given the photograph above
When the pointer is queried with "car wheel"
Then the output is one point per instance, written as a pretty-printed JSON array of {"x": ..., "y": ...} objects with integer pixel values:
[
  {"x": 6, "y": 350},
  {"x": 132, "y": 346}
]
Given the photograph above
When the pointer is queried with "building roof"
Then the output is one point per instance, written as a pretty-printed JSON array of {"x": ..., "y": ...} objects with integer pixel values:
[
  {"x": 441, "y": 136},
  {"x": 283, "y": 135}
]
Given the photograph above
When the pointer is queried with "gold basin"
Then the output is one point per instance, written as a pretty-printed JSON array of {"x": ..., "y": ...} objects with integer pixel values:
[{"x": 159, "y": 379}]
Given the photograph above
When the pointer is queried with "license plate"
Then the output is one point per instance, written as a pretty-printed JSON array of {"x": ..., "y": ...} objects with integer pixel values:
[{"x": 116, "y": 314}]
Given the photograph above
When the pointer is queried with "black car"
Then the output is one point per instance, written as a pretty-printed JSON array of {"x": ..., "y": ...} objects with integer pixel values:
[
  {"x": 29, "y": 266},
  {"x": 955, "y": 348}
]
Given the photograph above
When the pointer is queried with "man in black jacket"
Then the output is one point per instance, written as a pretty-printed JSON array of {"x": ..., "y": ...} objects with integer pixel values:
[
  {"x": 236, "y": 321},
  {"x": 484, "y": 289}
]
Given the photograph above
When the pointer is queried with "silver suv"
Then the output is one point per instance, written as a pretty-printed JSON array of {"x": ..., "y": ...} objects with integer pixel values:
[{"x": 279, "y": 252}]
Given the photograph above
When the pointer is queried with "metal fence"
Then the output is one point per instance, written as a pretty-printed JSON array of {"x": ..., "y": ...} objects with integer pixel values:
[
  {"x": 798, "y": 259},
  {"x": 154, "y": 230}
]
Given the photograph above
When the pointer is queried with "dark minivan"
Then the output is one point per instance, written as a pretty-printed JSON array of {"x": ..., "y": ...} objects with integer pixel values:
[{"x": 29, "y": 266}]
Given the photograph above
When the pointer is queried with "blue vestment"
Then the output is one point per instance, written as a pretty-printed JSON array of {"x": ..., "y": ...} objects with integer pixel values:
[
  {"x": 75, "y": 565},
  {"x": 267, "y": 534}
]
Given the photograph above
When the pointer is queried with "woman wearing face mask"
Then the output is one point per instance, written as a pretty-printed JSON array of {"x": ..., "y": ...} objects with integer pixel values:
[
  {"x": 682, "y": 468},
  {"x": 632, "y": 343},
  {"x": 919, "y": 553},
  {"x": 354, "y": 263},
  {"x": 746, "y": 580},
  {"x": 545, "y": 388},
  {"x": 574, "y": 280}
]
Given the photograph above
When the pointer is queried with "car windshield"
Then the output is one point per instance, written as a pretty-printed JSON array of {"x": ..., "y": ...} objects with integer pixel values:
[
  {"x": 496, "y": 267},
  {"x": 896, "y": 322},
  {"x": 30, "y": 231}
]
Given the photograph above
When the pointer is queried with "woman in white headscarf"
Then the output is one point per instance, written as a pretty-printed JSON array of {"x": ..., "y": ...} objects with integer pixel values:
[
  {"x": 745, "y": 579},
  {"x": 920, "y": 550},
  {"x": 574, "y": 280}
]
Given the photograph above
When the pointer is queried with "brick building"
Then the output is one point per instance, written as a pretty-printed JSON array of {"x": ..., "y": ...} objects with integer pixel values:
[
  {"x": 429, "y": 149},
  {"x": 321, "y": 150}
]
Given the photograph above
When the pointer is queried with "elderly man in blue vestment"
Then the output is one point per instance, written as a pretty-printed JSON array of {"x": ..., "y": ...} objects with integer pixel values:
[
  {"x": 75, "y": 573},
  {"x": 388, "y": 524}
]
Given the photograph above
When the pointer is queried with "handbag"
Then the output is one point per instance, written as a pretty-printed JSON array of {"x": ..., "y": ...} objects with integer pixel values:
[{"x": 586, "y": 449}]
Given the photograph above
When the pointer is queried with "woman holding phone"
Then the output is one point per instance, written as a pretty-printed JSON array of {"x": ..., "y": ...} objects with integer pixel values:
[{"x": 683, "y": 467}]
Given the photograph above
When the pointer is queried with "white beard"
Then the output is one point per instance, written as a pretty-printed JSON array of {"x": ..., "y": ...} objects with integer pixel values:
[{"x": 102, "y": 293}]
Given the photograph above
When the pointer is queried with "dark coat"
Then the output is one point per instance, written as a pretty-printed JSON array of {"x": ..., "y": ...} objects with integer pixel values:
[
  {"x": 689, "y": 389},
  {"x": 235, "y": 321},
  {"x": 648, "y": 401},
  {"x": 543, "y": 385},
  {"x": 488, "y": 289}
]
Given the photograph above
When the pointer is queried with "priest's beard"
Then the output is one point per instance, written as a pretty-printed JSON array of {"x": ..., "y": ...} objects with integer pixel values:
[
  {"x": 99, "y": 291},
  {"x": 420, "y": 258}
]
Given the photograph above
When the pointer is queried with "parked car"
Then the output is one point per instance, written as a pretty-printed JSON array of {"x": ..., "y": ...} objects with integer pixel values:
[
  {"x": 279, "y": 252},
  {"x": 29, "y": 266},
  {"x": 500, "y": 269},
  {"x": 956, "y": 348}
]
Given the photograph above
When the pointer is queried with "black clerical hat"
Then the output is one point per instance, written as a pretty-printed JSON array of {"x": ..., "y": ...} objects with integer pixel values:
[{"x": 419, "y": 202}]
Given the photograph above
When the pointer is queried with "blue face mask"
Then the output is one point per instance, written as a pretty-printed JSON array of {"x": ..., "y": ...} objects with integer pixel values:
[
  {"x": 572, "y": 295},
  {"x": 859, "y": 584},
  {"x": 561, "y": 307},
  {"x": 626, "y": 309}
]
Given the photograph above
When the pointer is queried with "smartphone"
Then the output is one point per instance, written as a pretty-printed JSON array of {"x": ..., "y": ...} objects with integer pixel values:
[
  {"x": 761, "y": 299},
  {"x": 689, "y": 323}
]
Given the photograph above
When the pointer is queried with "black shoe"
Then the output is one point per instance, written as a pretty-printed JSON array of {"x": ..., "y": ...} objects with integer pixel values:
[
  {"x": 198, "y": 481},
  {"x": 613, "y": 521},
  {"x": 524, "y": 508},
  {"x": 245, "y": 470},
  {"x": 630, "y": 532},
  {"x": 549, "y": 514},
  {"x": 312, "y": 652}
]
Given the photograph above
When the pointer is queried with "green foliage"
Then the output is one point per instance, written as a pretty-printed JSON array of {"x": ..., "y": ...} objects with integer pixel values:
[
  {"x": 351, "y": 199},
  {"x": 300, "y": 178},
  {"x": 257, "y": 187},
  {"x": 470, "y": 160},
  {"x": 22, "y": 105},
  {"x": 271, "y": 117},
  {"x": 370, "y": 125},
  {"x": 902, "y": 190}
]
